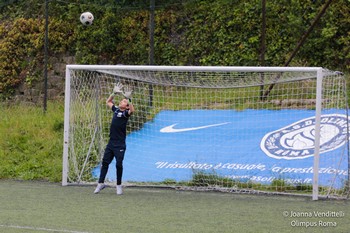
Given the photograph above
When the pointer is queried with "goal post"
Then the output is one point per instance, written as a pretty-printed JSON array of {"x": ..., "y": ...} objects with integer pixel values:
[{"x": 233, "y": 129}]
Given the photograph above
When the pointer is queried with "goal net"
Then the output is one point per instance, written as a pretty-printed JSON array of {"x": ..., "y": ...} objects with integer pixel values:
[{"x": 233, "y": 129}]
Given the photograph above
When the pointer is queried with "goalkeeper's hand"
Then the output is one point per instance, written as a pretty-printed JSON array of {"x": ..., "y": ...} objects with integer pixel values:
[
  {"x": 127, "y": 93},
  {"x": 118, "y": 88}
]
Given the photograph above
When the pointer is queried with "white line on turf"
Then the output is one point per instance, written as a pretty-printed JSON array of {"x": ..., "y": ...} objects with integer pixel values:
[{"x": 41, "y": 229}]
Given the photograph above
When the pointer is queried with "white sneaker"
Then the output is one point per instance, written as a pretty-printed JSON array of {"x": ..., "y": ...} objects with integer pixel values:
[
  {"x": 99, "y": 187},
  {"x": 119, "y": 190}
]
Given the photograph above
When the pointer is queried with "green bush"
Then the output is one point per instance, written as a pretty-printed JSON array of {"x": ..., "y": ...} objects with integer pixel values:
[{"x": 200, "y": 32}]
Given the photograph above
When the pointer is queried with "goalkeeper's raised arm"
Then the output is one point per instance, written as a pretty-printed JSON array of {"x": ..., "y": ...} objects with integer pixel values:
[{"x": 124, "y": 104}]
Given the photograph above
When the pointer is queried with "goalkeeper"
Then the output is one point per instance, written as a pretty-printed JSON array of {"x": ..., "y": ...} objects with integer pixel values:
[{"x": 116, "y": 146}]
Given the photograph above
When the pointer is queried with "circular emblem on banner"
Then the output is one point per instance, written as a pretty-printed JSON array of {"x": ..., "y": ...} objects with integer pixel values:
[{"x": 297, "y": 141}]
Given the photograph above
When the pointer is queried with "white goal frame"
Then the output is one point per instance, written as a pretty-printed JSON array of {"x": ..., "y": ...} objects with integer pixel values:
[{"x": 318, "y": 71}]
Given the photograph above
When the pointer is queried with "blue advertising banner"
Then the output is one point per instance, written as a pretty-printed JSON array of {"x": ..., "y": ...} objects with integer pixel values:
[{"x": 242, "y": 146}]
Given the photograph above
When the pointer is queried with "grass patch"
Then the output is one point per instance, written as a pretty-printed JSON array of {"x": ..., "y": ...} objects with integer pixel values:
[
  {"x": 31, "y": 142},
  {"x": 41, "y": 205}
]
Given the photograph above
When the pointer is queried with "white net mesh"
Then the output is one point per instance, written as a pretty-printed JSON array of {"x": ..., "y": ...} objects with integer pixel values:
[{"x": 200, "y": 128}]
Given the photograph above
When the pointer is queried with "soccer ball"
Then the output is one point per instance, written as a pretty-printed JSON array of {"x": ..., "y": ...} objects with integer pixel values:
[{"x": 86, "y": 18}]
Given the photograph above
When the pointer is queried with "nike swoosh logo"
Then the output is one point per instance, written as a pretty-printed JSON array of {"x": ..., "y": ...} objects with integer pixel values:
[{"x": 170, "y": 128}]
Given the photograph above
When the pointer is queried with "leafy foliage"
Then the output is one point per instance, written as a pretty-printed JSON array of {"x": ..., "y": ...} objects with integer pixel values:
[{"x": 187, "y": 32}]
